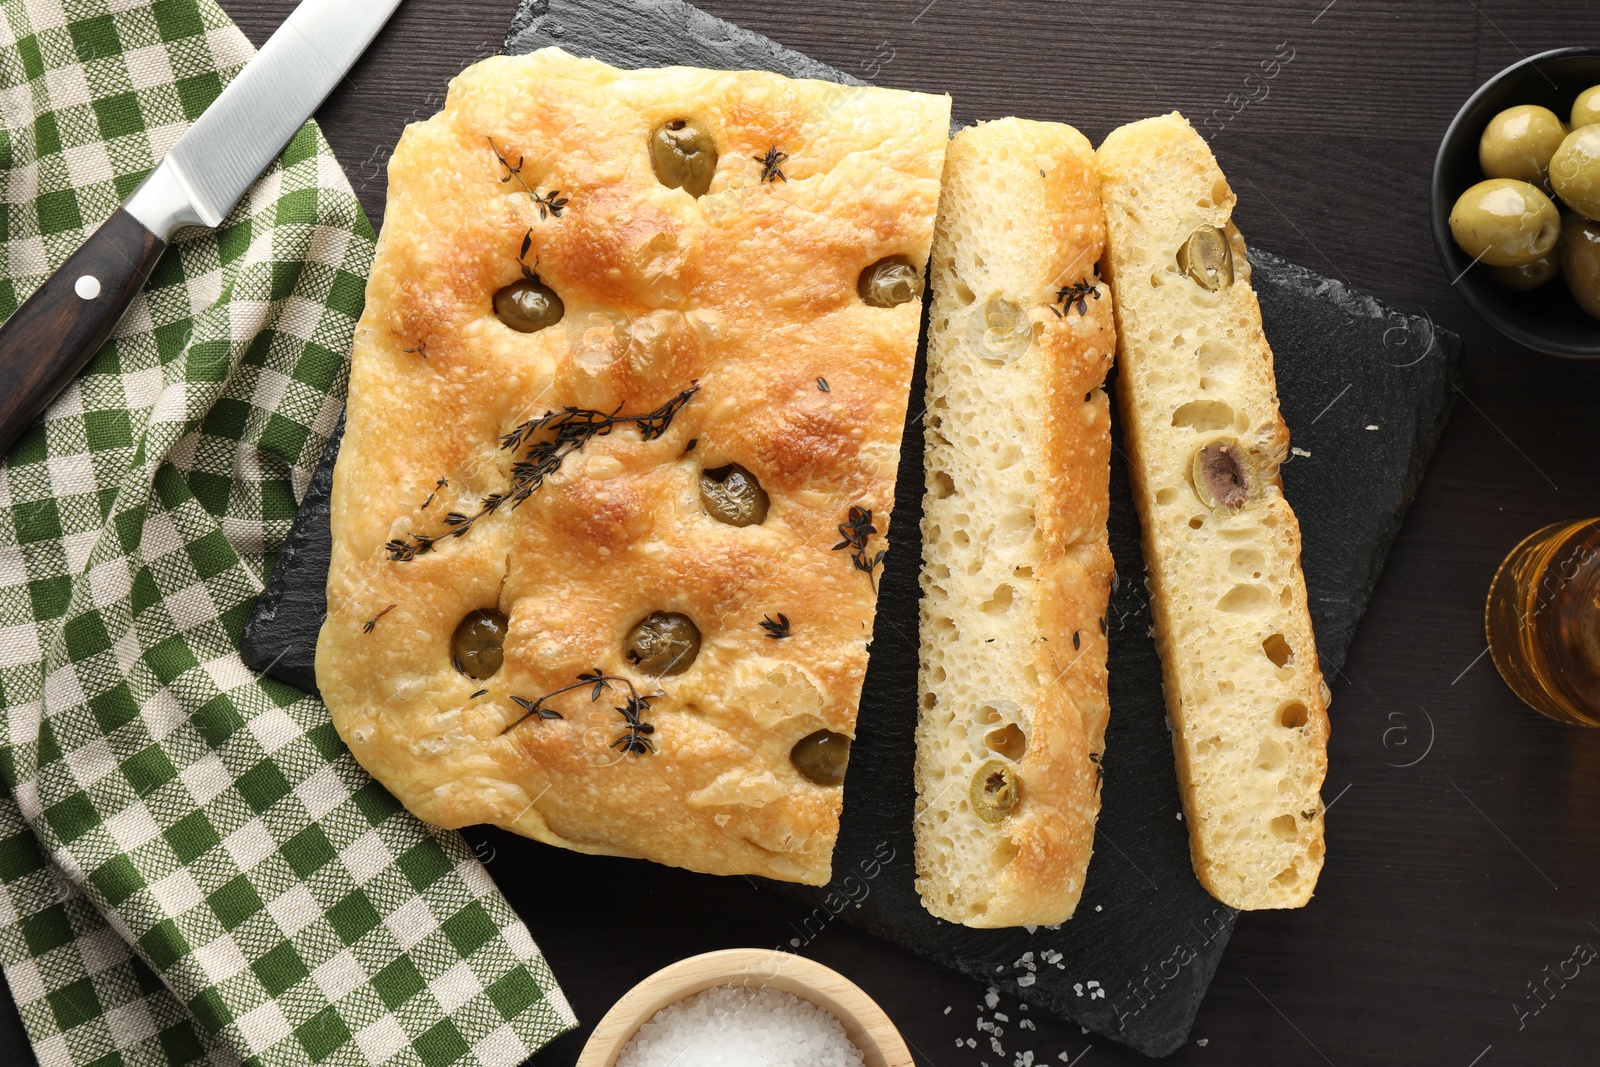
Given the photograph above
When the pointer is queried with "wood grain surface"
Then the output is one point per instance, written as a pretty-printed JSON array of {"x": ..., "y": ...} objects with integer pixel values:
[{"x": 1464, "y": 837}]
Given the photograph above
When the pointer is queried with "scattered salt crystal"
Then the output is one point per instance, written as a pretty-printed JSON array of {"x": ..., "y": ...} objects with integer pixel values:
[
  {"x": 1026, "y": 979},
  {"x": 1028, "y": 928},
  {"x": 1180, "y": 816},
  {"x": 994, "y": 1043},
  {"x": 737, "y": 1026},
  {"x": 1372, "y": 427},
  {"x": 1203, "y": 1042},
  {"x": 1098, "y": 907},
  {"x": 1093, "y": 984},
  {"x": 1002, "y": 1017},
  {"x": 1027, "y": 1024},
  {"x": 991, "y": 996},
  {"x": 1301, "y": 452},
  {"x": 947, "y": 1008},
  {"x": 972, "y": 1042},
  {"x": 1077, "y": 987}
]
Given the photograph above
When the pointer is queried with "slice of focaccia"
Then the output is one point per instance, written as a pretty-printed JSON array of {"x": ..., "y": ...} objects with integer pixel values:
[
  {"x": 1199, "y": 404},
  {"x": 1016, "y": 572},
  {"x": 625, "y": 411}
]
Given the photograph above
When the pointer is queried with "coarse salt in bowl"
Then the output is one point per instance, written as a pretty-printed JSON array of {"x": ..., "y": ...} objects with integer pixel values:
[
  {"x": 741, "y": 1026},
  {"x": 746, "y": 1007}
]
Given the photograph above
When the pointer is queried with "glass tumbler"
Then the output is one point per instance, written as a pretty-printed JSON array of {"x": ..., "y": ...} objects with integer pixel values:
[{"x": 1543, "y": 621}]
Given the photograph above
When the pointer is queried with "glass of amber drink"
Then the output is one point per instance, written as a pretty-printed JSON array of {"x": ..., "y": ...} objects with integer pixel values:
[{"x": 1543, "y": 621}]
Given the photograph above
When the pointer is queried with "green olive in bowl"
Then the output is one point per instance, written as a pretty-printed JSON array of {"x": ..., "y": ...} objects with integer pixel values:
[
  {"x": 1580, "y": 261},
  {"x": 1575, "y": 171},
  {"x": 1519, "y": 142},
  {"x": 1586, "y": 109},
  {"x": 1503, "y": 222},
  {"x": 1527, "y": 277}
]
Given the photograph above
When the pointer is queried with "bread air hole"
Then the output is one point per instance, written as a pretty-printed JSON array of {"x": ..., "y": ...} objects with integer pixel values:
[
  {"x": 1284, "y": 828},
  {"x": 1008, "y": 741},
  {"x": 1000, "y": 602},
  {"x": 1246, "y": 563},
  {"x": 1204, "y": 415},
  {"x": 1293, "y": 714},
  {"x": 1287, "y": 878},
  {"x": 1271, "y": 755},
  {"x": 1277, "y": 650},
  {"x": 1245, "y": 599},
  {"x": 943, "y": 486}
]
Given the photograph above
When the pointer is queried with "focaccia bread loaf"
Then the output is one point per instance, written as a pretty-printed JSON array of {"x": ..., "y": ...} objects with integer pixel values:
[
  {"x": 681, "y": 448},
  {"x": 1016, "y": 573},
  {"x": 1199, "y": 404}
]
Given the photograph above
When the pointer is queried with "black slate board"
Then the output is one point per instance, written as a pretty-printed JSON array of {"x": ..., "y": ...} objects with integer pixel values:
[{"x": 1366, "y": 391}]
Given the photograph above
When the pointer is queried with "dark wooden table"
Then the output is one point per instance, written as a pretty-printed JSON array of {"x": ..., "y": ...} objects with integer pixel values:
[{"x": 1464, "y": 842}]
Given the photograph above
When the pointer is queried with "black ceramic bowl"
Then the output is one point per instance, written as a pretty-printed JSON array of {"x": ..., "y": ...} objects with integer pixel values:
[{"x": 1547, "y": 319}]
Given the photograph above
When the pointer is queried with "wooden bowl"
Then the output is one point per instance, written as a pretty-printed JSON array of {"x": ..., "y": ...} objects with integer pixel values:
[{"x": 865, "y": 1023}]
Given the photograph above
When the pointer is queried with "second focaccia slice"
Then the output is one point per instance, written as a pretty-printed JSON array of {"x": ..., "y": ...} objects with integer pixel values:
[
  {"x": 1016, "y": 571},
  {"x": 625, "y": 413},
  {"x": 1200, "y": 415}
]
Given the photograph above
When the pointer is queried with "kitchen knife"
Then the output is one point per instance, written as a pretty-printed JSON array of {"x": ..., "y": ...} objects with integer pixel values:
[{"x": 52, "y": 335}]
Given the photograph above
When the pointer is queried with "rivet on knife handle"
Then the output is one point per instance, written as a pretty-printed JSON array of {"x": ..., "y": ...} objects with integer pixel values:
[{"x": 53, "y": 334}]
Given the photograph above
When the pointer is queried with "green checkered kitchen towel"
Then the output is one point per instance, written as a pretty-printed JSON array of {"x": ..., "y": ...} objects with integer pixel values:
[{"x": 192, "y": 867}]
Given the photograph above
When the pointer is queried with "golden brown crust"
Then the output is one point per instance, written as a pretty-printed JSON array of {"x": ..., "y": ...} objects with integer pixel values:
[
  {"x": 748, "y": 291},
  {"x": 1017, "y": 570}
]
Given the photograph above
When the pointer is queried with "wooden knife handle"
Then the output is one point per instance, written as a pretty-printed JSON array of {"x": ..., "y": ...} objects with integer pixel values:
[{"x": 52, "y": 335}]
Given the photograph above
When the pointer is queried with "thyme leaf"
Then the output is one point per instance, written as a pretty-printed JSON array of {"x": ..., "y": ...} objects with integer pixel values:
[
  {"x": 770, "y": 163},
  {"x": 856, "y": 530},
  {"x": 1077, "y": 293}
]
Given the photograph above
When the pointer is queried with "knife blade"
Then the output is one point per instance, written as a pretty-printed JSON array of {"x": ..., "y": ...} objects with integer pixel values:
[{"x": 52, "y": 335}]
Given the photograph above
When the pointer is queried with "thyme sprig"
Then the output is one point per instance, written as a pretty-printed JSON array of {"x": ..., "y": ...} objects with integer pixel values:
[
  {"x": 770, "y": 164},
  {"x": 1077, "y": 292},
  {"x": 550, "y": 203},
  {"x": 570, "y": 429},
  {"x": 635, "y": 738},
  {"x": 372, "y": 623},
  {"x": 776, "y": 630},
  {"x": 856, "y": 530}
]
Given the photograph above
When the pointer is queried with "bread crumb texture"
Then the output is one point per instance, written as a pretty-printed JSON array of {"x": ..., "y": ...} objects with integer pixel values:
[
  {"x": 1245, "y": 697},
  {"x": 746, "y": 294},
  {"x": 1016, "y": 570}
]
